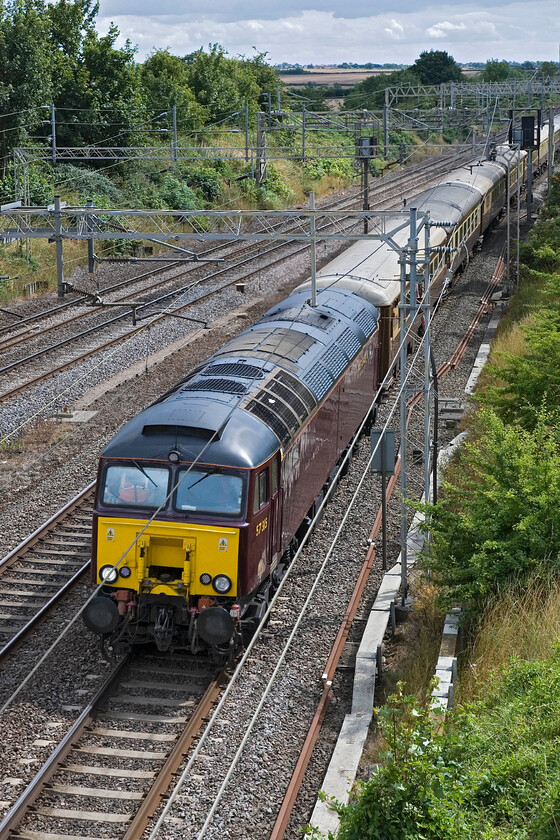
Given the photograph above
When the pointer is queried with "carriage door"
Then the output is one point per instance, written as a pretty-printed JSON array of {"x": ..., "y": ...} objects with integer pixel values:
[
  {"x": 262, "y": 510},
  {"x": 275, "y": 508}
]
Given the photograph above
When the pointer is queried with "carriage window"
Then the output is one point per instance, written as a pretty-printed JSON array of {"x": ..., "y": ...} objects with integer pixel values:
[
  {"x": 210, "y": 491},
  {"x": 135, "y": 486},
  {"x": 261, "y": 491}
]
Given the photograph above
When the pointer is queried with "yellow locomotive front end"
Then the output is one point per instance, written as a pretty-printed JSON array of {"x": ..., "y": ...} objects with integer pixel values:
[
  {"x": 166, "y": 547},
  {"x": 170, "y": 558},
  {"x": 171, "y": 583}
]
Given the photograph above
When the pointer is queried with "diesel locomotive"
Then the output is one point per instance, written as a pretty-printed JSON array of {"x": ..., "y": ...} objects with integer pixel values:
[{"x": 202, "y": 497}]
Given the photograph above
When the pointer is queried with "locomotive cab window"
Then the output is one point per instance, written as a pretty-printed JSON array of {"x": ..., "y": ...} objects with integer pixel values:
[
  {"x": 209, "y": 491},
  {"x": 135, "y": 486},
  {"x": 260, "y": 497}
]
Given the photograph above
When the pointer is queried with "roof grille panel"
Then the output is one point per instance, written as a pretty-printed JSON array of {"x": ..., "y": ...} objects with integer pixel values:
[
  {"x": 335, "y": 360},
  {"x": 366, "y": 321},
  {"x": 239, "y": 369},
  {"x": 297, "y": 386},
  {"x": 272, "y": 420},
  {"x": 319, "y": 380},
  {"x": 279, "y": 407},
  {"x": 278, "y": 389},
  {"x": 225, "y": 386},
  {"x": 349, "y": 342}
]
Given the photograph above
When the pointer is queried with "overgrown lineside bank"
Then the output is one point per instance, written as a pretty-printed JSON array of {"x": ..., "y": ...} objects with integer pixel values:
[{"x": 493, "y": 772}]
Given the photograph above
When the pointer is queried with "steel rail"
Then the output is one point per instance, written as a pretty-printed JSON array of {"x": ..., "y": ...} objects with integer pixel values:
[
  {"x": 14, "y": 556},
  {"x": 158, "y": 790},
  {"x": 40, "y": 532},
  {"x": 36, "y": 786}
]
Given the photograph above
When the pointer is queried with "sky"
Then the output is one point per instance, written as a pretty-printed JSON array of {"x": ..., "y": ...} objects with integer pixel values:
[{"x": 335, "y": 31}]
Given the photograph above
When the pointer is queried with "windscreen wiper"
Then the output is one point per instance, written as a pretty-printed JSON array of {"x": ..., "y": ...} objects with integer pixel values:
[
  {"x": 143, "y": 471},
  {"x": 210, "y": 472}
]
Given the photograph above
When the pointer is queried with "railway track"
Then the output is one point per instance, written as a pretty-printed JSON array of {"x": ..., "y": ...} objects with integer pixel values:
[
  {"x": 42, "y": 569},
  {"x": 114, "y": 765},
  {"x": 385, "y": 188}
]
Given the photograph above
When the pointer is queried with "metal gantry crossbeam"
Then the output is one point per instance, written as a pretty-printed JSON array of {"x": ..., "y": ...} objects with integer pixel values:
[
  {"x": 199, "y": 225},
  {"x": 458, "y": 93}
]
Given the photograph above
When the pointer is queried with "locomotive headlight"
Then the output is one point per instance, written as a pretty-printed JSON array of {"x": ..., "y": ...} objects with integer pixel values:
[
  {"x": 222, "y": 584},
  {"x": 108, "y": 574},
  {"x": 125, "y": 572},
  {"x": 205, "y": 579}
]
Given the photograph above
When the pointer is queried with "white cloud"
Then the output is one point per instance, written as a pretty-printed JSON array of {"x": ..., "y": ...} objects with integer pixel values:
[
  {"x": 473, "y": 33},
  {"x": 395, "y": 29},
  {"x": 441, "y": 30}
]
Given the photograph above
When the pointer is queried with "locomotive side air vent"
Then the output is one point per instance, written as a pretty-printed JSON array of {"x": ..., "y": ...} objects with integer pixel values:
[
  {"x": 243, "y": 371},
  {"x": 224, "y": 386},
  {"x": 366, "y": 321}
]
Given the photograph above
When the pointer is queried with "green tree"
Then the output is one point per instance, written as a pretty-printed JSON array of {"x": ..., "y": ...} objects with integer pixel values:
[
  {"x": 499, "y": 517},
  {"x": 224, "y": 85},
  {"x": 532, "y": 380},
  {"x": 104, "y": 92},
  {"x": 548, "y": 68},
  {"x": 499, "y": 71},
  {"x": 370, "y": 93},
  {"x": 435, "y": 67},
  {"x": 25, "y": 72},
  {"x": 165, "y": 82}
]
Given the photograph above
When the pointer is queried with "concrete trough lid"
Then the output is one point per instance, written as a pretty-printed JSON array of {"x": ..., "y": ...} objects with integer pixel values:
[
  {"x": 75, "y": 416},
  {"x": 451, "y": 409}
]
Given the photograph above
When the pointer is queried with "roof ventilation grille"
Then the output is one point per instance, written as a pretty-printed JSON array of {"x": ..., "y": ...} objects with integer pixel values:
[{"x": 224, "y": 386}]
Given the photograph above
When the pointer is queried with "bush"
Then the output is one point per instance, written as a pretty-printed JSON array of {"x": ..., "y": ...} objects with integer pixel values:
[
  {"x": 176, "y": 195},
  {"x": 499, "y": 519},
  {"x": 89, "y": 184},
  {"x": 207, "y": 181},
  {"x": 494, "y": 774}
]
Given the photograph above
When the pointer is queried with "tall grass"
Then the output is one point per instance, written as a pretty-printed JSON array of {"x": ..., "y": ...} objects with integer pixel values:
[{"x": 518, "y": 623}]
